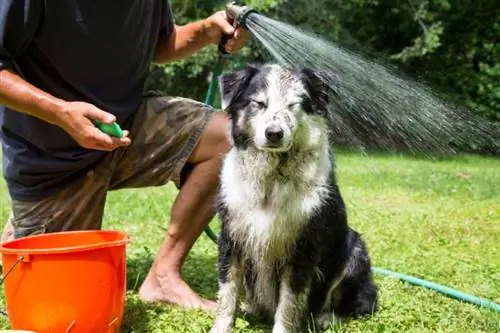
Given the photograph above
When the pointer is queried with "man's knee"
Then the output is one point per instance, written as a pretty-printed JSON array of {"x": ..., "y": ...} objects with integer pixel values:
[
  {"x": 8, "y": 231},
  {"x": 214, "y": 141}
]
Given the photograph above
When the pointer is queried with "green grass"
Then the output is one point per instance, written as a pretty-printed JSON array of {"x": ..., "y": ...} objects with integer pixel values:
[{"x": 435, "y": 219}]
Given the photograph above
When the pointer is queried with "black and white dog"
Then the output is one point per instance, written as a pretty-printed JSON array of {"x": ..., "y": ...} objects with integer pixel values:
[{"x": 285, "y": 237}]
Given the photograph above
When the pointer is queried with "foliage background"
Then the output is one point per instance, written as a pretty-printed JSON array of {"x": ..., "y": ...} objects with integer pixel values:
[{"x": 454, "y": 45}]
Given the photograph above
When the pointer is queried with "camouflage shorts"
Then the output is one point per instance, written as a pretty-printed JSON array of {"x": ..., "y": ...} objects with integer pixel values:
[{"x": 164, "y": 134}]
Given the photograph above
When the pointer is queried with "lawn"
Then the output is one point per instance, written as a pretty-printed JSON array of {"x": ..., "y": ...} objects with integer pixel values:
[{"x": 437, "y": 219}]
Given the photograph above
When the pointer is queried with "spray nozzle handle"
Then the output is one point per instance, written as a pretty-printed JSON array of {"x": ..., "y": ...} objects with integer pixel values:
[
  {"x": 223, "y": 42},
  {"x": 225, "y": 37},
  {"x": 237, "y": 15}
]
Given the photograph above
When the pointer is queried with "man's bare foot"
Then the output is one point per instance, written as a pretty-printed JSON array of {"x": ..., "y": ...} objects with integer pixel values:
[{"x": 173, "y": 290}]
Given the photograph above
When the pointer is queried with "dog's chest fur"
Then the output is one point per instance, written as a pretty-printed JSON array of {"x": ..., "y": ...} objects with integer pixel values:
[{"x": 270, "y": 198}]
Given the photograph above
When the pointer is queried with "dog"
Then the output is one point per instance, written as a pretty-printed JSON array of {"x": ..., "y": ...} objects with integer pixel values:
[{"x": 284, "y": 237}]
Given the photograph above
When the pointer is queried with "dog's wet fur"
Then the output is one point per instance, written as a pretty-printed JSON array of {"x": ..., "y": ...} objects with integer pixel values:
[{"x": 285, "y": 239}]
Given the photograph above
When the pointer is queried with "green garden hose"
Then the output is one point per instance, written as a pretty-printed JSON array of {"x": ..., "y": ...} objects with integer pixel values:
[
  {"x": 450, "y": 292},
  {"x": 447, "y": 291},
  {"x": 209, "y": 100}
]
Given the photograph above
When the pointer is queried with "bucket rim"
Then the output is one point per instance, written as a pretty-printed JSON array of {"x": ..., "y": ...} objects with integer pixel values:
[{"x": 68, "y": 249}]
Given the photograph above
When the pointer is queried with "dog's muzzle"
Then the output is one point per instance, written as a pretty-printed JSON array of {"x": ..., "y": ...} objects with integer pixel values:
[
  {"x": 276, "y": 139},
  {"x": 274, "y": 135}
]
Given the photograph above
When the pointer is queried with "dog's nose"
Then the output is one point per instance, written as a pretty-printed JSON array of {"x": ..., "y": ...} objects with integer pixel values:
[{"x": 274, "y": 134}]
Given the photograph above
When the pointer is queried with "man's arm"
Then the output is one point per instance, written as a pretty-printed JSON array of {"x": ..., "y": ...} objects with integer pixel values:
[
  {"x": 19, "y": 95},
  {"x": 181, "y": 43},
  {"x": 185, "y": 40},
  {"x": 76, "y": 118}
]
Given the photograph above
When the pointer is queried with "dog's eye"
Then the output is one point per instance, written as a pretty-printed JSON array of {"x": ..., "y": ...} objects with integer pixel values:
[
  {"x": 259, "y": 104},
  {"x": 294, "y": 105}
]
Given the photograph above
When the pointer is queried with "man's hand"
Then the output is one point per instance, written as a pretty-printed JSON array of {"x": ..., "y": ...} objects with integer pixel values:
[
  {"x": 78, "y": 120},
  {"x": 217, "y": 24}
]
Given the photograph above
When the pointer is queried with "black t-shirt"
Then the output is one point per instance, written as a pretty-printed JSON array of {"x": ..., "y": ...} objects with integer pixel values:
[{"x": 77, "y": 50}]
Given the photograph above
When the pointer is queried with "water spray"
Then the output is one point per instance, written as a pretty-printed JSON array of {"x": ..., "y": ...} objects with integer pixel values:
[{"x": 373, "y": 103}]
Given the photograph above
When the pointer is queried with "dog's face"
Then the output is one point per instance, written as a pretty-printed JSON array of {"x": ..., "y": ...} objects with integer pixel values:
[{"x": 269, "y": 103}]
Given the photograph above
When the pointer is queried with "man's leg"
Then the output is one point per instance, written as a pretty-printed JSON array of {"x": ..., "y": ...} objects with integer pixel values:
[
  {"x": 193, "y": 139},
  {"x": 191, "y": 213}
]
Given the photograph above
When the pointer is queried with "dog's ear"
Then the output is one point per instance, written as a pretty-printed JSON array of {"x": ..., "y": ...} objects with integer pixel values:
[
  {"x": 231, "y": 84},
  {"x": 321, "y": 86}
]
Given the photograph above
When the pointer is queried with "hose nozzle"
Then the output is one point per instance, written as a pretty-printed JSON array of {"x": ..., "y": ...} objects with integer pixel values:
[{"x": 239, "y": 13}]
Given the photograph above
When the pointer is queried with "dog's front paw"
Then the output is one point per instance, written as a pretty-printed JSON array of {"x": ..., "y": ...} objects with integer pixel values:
[
  {"x": 222, "y": 325},
  {"x": 249, "y": 308},
  {"x": 279, "y": 327},
  {"x": 216, "y": 329},
  {"x": 325, "y": 320}
]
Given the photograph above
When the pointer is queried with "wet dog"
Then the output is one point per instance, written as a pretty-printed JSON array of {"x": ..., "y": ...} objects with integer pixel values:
[{"x": 285, "y": 239}]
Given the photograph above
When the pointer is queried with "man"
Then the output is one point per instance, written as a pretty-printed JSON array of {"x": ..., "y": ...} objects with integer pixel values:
[{"x": 65, "y": 65}]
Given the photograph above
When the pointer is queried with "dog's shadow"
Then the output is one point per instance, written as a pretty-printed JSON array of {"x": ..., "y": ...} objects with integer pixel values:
[
  {"x": 201, "y": 273},
  {"x": 265, "y": 325},
  {"x": 136, "y": 317}
]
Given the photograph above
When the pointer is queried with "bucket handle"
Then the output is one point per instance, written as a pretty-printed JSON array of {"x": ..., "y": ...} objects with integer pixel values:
[
  {"x": 21, "y": 258},
  {"x": 70, "y": 327}
]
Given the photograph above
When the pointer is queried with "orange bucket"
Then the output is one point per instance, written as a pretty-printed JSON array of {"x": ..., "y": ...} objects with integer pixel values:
[{"x": 66, "y": 282}]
